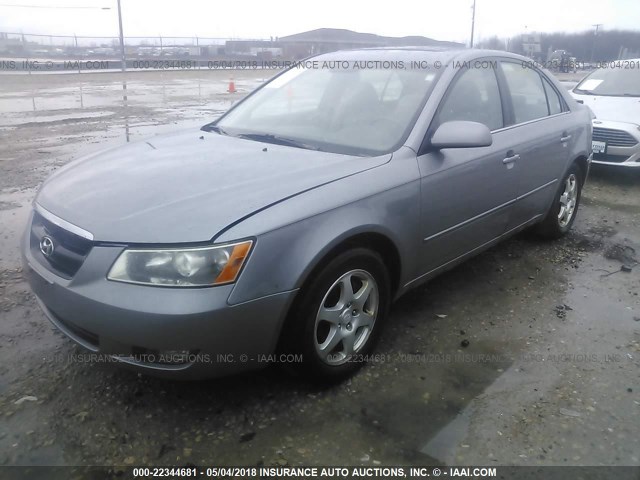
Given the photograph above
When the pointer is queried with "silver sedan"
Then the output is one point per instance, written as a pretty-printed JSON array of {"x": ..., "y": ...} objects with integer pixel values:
[{"x": 283, "y": 231}]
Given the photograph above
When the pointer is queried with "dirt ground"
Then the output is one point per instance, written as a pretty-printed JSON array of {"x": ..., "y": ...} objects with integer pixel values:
[{"x": 526, "y": 355}]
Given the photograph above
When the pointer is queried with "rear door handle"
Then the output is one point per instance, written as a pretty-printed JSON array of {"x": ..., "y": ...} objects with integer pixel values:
[
  {"x": 566, "y": 138},
  {"x": 511, "y": 159}
]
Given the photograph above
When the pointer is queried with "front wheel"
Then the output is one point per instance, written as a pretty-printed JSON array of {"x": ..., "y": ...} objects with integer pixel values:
[
  {"x": 340, "y": 314},
  {"x": 563, "y": 211}
]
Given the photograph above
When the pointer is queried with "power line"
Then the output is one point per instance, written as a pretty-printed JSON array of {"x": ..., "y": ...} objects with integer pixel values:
[
  {"x": 45, "y": 35},
  {"x": 14, "y": 5}
]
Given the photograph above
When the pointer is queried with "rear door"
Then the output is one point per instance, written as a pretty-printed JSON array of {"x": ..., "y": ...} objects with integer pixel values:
[
  {"x": 467, "y": 193},
  {"x": 542, "y": 122}
]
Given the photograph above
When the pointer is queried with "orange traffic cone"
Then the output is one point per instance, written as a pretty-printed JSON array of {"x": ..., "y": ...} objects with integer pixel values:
[{"x": 232, "y": 86}]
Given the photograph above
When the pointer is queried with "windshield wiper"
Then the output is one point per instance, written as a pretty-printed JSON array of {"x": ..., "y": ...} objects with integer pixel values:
[
  {"x": 583, "y": 92},
  {"x": 278, "y": 140},
  {"x": 631, "y": 95},
  {"x": 214, "y": 128}
]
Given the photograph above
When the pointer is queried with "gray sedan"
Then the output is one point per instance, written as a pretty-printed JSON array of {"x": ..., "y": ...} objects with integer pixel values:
[{"x": 283, "y": 231}]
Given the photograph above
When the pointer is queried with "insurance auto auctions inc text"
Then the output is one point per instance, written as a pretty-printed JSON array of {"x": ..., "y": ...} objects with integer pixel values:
[{"x": 374, "y": 472}]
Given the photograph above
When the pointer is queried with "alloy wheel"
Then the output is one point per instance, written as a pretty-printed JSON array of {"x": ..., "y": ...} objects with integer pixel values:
[
  {"x": 346, "y": 317},
  {"x": 568, "y": 200}
]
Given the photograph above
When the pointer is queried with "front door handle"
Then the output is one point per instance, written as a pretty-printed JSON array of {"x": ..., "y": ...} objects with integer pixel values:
[
  {"x": 566, "y": 138},
  {"x": 511, "y": 159}
]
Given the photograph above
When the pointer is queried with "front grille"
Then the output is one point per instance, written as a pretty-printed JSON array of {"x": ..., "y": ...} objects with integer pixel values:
[
  {"x": 614, "y": 138},
  {"x": 606, "y": 157},
  {"x": 69, "y": 249}
]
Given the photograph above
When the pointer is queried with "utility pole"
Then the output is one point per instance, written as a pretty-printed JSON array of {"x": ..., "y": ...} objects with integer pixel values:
[
  {"x": 595, "y": 37},
  {"x": 124, "y": 60},
  {"x": 76, "y": 52},
  {"x": 473, "y": 21}
]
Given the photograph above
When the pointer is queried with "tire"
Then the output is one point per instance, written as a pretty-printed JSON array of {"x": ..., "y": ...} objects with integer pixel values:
[
  {"x": 564, "y": 209},
  {"x": 332, "y": 329}
]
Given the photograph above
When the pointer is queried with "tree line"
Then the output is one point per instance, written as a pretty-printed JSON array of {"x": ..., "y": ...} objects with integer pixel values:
[{"x": 586, "y": 46}]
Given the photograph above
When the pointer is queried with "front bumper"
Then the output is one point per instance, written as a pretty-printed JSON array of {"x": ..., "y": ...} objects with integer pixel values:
[
  {"x": 619, "y": 156},
  {"x": 136, "y": 324}
]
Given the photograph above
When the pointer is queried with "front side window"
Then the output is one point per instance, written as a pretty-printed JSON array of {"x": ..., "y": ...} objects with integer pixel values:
[
  {"x": 527, "y": 92},
  {"x": 474, "y": 97},
  {"x": 346, "y": 110}
]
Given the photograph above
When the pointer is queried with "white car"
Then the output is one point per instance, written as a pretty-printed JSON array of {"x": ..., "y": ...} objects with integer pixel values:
[{"x": 613, "y": 94}]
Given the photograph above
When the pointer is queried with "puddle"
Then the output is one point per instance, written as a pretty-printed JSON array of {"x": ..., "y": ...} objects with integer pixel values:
[
  {"x": 106, "y": 91},
  {"x": 9, "y": 205},
  {"x": 51, "y": 120},
  {"x": 39, "y": 120},
  {"x": 14, "y": 212}
]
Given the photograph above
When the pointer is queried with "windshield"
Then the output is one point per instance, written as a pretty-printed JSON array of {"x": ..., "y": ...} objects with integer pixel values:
[
  {"x": 614, "y": 82},
  {"x": 346, "y": 110}
]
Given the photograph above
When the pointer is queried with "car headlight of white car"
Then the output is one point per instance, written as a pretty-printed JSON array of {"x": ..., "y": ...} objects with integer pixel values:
[{"x": 181, "y": 267}]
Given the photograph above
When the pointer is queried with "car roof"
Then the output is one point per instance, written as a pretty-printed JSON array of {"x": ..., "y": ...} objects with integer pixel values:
[{"x": 410, "y": 53}]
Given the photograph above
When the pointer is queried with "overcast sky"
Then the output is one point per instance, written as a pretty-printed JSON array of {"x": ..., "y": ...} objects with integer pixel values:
[{"x": 440, "y": 19}]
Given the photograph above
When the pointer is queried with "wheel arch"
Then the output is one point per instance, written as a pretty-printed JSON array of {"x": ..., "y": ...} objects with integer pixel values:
[
  {"x": 583, "y": 165},
  {"x": 371, "y": 239}
]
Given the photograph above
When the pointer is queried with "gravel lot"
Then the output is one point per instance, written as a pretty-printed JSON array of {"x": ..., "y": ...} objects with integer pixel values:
[{"x": 525, "y": 355}]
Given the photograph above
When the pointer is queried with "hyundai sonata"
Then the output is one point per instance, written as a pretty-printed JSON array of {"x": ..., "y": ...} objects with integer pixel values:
[{"x": 291, "y": 223}]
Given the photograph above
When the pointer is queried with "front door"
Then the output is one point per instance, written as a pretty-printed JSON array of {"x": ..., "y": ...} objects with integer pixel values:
[{"x": 467, "y": 193}]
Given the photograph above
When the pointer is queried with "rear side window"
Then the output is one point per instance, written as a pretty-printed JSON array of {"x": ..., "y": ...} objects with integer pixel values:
[
  {"x": 474, "y": 97},
  {"x": 527, "y": 92},
  {"x": 555, "y": 104}
]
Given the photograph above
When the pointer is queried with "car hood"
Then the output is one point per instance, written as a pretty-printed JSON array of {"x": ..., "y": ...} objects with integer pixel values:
[
  {"x": 186, "y": 187},
  {"x": 618, "y": 109}
]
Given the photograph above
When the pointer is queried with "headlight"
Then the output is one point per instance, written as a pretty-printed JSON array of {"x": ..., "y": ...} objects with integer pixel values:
[{"x": 181, "y": 267}]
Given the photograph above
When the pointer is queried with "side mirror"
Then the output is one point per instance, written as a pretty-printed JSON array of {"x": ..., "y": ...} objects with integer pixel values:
[{"x": 461, "y": 134}]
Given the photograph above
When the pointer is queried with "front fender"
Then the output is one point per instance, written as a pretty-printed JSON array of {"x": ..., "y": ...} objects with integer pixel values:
[{"x": 313, "y": 224}]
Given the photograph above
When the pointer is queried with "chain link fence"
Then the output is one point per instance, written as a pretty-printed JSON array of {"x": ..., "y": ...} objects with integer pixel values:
[{"x": 32, "y": 52}]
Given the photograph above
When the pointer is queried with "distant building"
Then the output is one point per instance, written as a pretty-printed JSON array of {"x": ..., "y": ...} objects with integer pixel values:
[
  {"x": 323, "y": 40},
  {"x": 260, "y": 48},
  {"x": 531, "y": 45}
]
